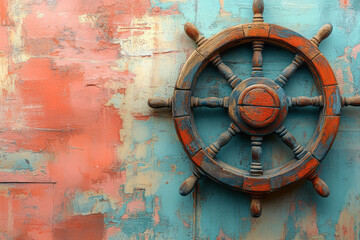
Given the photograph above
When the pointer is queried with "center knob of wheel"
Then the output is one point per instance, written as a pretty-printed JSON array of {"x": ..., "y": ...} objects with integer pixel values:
[{"x": 259, "y": 105}]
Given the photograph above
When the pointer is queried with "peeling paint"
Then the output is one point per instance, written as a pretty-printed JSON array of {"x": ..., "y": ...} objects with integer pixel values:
[{"x": 83, "y": 157}]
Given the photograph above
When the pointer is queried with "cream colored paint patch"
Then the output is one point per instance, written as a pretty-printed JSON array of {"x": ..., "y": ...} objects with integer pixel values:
[
  {"x": 6, "y": 82},
  {"x": 89, "y": 18},
  {"x": 153, "y": 58},
  {"x": 17, "y": 13},
  {"x": 159, "y": 36},
  {"x": 150, "y": 77},
  {"x": 138, "y": 170},
  {"x": 349, "y": 218},
  {"x": 148, "y": 180},
  {"x": 308, "y": 223}
]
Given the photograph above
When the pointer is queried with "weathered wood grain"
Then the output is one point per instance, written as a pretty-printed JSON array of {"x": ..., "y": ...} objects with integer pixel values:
[
  {"x": 291, "y": 142},
  {"x": 211, "y": 102},
  {"x": 323, "y": 33},
  {"x": 188, "y": 185},
  {"x": 215, "y": 147},
  {"x": 258, "y": 9},
  {"x": 160, "y": 102},
  {"x": 257, "y": 62},
  {"x": 285, "y": 75},
  {"x": 319, "y": 185},
  {"x": 306, "y": 101},
  {"x": 256, "y": 152},
  {"x": 350, "y": 101},
  {"x": 256, "y": 207}
]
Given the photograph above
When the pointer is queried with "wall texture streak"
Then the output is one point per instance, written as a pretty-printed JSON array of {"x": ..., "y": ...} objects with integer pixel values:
[{"x": 83, "y": 157}]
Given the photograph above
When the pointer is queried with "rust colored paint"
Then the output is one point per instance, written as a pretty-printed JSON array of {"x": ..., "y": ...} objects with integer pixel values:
[
  {"x": 89, "y": 227},
  {"x": 344, "y": 3},
  {"x": 259, "y": 106},
  {"x": 184, "y": 129},
  {"x": 257, "y": 184},
  {"x": 198, "y": 158},
  {"x": 26, "y": 211}
]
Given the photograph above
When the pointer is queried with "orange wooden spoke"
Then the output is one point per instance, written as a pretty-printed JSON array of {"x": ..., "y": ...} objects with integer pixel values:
[
  {"x": 211, "y": 102},
  {"x": 258, "y": 10},
  {"x": 256, "y": 151},
  {"x": 223, "y": 139},
  {"x": 291, "y": 142},
  {"x": 305, "y": 101}
]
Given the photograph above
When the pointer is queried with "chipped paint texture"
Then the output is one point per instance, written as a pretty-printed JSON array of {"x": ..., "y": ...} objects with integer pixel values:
[{"x": 83, "y": 157}]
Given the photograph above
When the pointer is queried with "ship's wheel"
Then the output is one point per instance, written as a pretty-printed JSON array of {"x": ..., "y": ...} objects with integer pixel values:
[{"x": 257, "y": 106}]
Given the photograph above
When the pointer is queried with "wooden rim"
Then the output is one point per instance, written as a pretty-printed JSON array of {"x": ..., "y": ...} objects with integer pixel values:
[{"x": 317, "y": 147}]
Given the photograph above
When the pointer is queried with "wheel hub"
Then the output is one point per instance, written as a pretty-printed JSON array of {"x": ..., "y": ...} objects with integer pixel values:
[{"x": 258, "y": 106}]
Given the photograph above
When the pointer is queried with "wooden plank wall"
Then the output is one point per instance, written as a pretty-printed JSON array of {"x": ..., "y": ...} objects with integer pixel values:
[{"x": 83, "y": 157}]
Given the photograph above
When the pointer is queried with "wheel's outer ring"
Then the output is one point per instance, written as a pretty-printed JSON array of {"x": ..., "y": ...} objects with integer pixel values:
[{"x": 317, "y": 147}]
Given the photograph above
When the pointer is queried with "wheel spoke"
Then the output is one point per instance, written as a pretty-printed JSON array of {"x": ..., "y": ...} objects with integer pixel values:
[
  {"x": 211, "y": 102},
  {"x": 258, "y": 46},
  {"x": 256, "y": 151},
  {"x": 320, "y": 186},
  {"x": 291, "y": 142},
  {"x": 159, "y": 102},
  {"x": 285, "y": 75},
  {"x": 257, "y": 62},
  {"x": 258, "y": 10},
  {"x": 223, "y": 139},
  {"x": 305, "y": 101},
  {"x": 350, "y": 101},
  {"x": 322, "y": 34},
  {"x": 193, "y": 32},
  {"x": 228, "y": 74},
  {"x": 188, "y": 185}
]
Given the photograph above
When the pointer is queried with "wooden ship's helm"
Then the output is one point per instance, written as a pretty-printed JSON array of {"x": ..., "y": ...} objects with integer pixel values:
[{"x": 257, "y": 106}]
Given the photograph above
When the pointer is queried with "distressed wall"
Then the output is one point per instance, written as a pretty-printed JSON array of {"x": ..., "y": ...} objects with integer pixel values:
[{"x": 83, "y": 157}]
